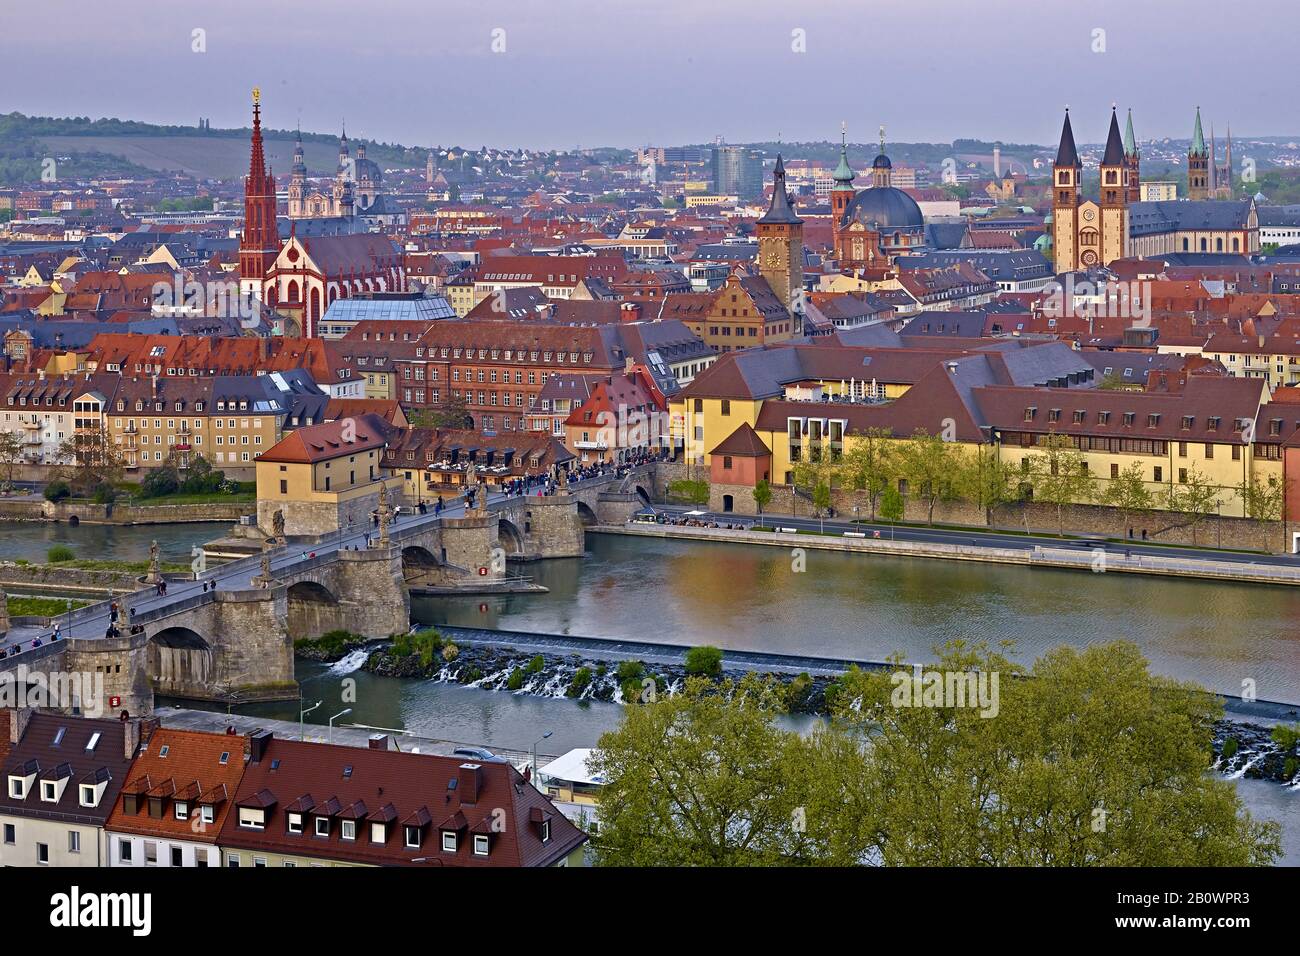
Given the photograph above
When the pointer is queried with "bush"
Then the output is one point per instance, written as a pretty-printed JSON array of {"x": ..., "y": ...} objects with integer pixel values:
[
  {"x": 104, "y": 494},
  {"x": 59, "y": 553},
  {"x": 57, "y": 491},
  {"x": 450, "y": 653},
  {"x": 421, "y": 644},
  {"x": 1230, "y": 747},
  {"x": 160, "y": 482},
  {"x": 704, "y": 662},
  {"x": 634, "y": 691},
  {"x": 516, "y": 681},
  {"x": 686, "y": 489},
  {"x": 581, "y": 681},
  {"x": 535, "y": 665},
  {"x": 797, "y": 691},
  {"x": 630, "y": 670}
]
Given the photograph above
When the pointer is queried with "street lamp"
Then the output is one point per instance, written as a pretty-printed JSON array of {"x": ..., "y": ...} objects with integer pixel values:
[
  {"x": 304, "y": 713},
  {"x": 334, "y": 718},
  {"x": 535, "y": 743}
]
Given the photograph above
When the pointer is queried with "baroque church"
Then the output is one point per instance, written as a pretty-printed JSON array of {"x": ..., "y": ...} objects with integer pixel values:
[
  {"x": 874, "y": 226},
  {"x": 353, "y": 193},
  {"x": 1090, "y": 233}
]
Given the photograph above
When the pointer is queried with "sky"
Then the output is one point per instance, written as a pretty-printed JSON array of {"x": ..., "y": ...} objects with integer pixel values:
[{"x": 579, "y": 73}]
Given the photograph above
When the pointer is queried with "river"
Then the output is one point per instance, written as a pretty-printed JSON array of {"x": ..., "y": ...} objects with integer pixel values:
[{"x": 751, "y": 598}]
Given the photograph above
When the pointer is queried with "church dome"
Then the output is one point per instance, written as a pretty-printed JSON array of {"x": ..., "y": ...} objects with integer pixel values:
[
  {"x": 881, "y": 162},
  {"x": 886, "y": 207}
]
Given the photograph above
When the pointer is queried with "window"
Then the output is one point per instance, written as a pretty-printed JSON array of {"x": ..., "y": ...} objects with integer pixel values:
[
  {"x": 295, "y": 823},
  {"x": 86, "y": 795},
  {"x": 1158, "y": 473},
  {"x": 43, "y": 854},
  {"x": 546, "y": 831},
  {"x": 182, "y": 810},
  {"x": 252, "y": 818},
  {"x": 49, "y": 791},
  {"x": 232, "y": 861},
  {"x": 348, "y": 829},
  {"x": 150, "y": 852},
  {"x": 17, "y": 788},
  {"x": 413, "y": 837},
  {"x": 74, "y": 841},
  {"x": 377, "y": 834},
  {"x": 322, "y": 826},
  {"x": 11, "y": 834},
  {"x": 178, "y": 858},
  {"x": 207, "y": 813},
  {"x": 480, "y": 845},
  {"x": 449, "y": 841},
  {"x": 125, "y": 848}
]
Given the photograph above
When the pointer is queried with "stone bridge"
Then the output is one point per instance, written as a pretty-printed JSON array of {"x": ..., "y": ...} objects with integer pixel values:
[{"x": 227, "y": 634}]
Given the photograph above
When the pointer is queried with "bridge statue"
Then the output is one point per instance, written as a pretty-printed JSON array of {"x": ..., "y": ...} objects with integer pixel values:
[
  {"x": 154, "y": 564},
  {"x": 263, "y": 579},
  {"x": 277, "y": 526},
  {"x": 385, "y": 515}
]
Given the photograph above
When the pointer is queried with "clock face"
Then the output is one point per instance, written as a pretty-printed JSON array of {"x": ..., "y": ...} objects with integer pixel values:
[
  {"x": 1089, "y": 215},
  {"x": 1089, "y": 258}
]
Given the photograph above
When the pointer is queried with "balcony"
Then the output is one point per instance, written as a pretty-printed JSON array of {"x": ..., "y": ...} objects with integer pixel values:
[{"x": 593, "y": 445}]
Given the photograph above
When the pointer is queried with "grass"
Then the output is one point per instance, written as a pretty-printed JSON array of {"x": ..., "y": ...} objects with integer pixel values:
[
  {"x": 41, "y": 607},
  {"x": 89, "y": 564},
  {"x": 213, "y": 497}
]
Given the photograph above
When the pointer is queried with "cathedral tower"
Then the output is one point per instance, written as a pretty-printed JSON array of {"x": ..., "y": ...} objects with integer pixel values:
[
  {"x": 259, "y": 243},
  {"x": 298, "y": 182},
  {"x": 780, "y": 245},
  {"x": 1133, "y": 160},
  {"x": 842, "y": 192},
  {"x": 1065, "y": 200},
  {"x": 1113, "y": 236},
  {"x": 1198, "y": 163}
]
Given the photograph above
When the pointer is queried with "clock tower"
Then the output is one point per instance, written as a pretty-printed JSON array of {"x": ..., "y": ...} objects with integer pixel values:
[
  {"x": 780, "y": 245},
  {"x": 1065, "y": 201}
]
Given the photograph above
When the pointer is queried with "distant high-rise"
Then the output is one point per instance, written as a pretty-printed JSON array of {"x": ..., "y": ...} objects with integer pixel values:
[{"x": 737, "y": 171}]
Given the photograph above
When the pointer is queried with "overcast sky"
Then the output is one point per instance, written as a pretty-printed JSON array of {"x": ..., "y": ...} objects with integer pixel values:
[{"x": 634, "y": 72}]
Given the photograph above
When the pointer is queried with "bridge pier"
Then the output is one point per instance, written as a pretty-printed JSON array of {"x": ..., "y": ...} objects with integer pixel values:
[
  {"x": 471, "y": 542},
  {"x": 550, "y": 526}
]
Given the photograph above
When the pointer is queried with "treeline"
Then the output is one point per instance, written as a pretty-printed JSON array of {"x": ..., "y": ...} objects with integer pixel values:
[
  {"x": 1054, "y": 472},
  {"x": 1085, "y": 759}
]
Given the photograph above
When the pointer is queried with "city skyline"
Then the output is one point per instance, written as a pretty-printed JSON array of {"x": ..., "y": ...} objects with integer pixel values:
[{"x": 593, "y": 93}]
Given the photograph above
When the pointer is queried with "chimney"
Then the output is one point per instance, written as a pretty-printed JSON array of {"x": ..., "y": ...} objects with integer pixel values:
[
  {"x": 1261, "y": 340},
  {"x": 628, "y": 365},
  {"x": 471, "y": 779},
  {"x": 19, "y": 718},
  {"x": 258, "y": 741},
  {"x": 379, "y": 742},
  {"x": 130, "y": 737}
]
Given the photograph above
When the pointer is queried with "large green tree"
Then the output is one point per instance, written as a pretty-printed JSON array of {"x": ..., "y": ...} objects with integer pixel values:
[
  {"x": 1061, "y": 476},
  {"x": 928, "y": 462},
  {"x": 1127, "y": 493},
  {"x": 870, "y": 464}
]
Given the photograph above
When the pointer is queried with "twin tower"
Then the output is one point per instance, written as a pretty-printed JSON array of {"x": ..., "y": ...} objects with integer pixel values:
[{"x": 1087, "y": 233}]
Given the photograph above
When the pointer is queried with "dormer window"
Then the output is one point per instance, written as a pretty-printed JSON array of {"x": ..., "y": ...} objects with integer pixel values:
[
  {"x": 88, "y": 795},
  {"x": 480, "y": 844},
  {"x": 348, "y": 829},
  {"x": 17, "y": 788},
  {"x": 207, "y": 813},
  {"x": 378, "y": 832},
  {"x": 412, "y": 837},
  {"x": 546, "y": 831},
  {"x": 322, "y": 826},
  {"x": 49, "y": 791},
  {"x": 182, "y": 810},
  {"x": 252, "y": 818},
  {"x": 449, "y": 841}
]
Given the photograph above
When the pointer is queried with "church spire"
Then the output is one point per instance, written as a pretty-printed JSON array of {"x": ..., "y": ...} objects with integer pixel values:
[
  {"x": 1114, "y": 155},
  {"x": 843, "y": 172},
  {"x": 1067, "y": 154},
  {"x": 1130, "y": 141},
  {"x": 1198, "y": 137}
]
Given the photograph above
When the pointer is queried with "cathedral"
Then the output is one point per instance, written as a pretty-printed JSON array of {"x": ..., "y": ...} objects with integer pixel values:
[
  {"x": 1088, "y": 233},
  {"x": 873, "y": 226}
]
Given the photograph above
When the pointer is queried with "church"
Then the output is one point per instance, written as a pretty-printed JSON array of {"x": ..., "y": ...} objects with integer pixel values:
[
  {"x": 874, "y": 226},
  {"x": 300, "y": 277},
  {"x": 1089, "y": 233}
]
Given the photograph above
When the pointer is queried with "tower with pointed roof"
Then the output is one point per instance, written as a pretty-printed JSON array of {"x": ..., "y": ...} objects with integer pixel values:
[
  {"x": 1222, "y": 173},
  {"x": 1198, "y": 163},
  {"x": 259, "y": 243},
  {"x": 780, "y": 245},
  {"x": 1113, "y": 232},
  {"x": 842, "y": 192},
  {"x": 1066, "y": 171},
  {"x": 298, "y": 181},
  {"x": 1133, "y": 160}
]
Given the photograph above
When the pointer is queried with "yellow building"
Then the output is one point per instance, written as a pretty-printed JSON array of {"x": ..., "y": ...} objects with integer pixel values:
[{"x": 324, "y": 478}]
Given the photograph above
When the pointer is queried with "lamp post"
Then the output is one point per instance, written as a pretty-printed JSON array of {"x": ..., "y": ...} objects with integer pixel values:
[
  {"x": 535, "y": 743},
  {"x": 303, "y": 713},
  {"x": 336, "y": 717}
]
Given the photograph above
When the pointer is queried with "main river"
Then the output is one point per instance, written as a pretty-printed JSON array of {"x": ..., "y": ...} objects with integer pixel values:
[{"x": 752, "y": 598}]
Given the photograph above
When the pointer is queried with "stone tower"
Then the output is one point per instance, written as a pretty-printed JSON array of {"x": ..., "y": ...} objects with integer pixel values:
[
  {"x": 1133, "y": 160},
  {"x": 1114, "y": 196},
  {"x": 298, "y": 182},
  {"x": 780, "y": 245},
  {"x": 259, "y": 243},
  {"x": 842, "y": 192},
  {"x": 1065, "y": 200},
  {"x": 1198, "y": 163}
]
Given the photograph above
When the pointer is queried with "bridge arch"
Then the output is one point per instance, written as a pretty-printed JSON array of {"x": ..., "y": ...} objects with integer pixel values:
[
  {"x": 311, "y": 592},
  {"x": 585, "y": 514},
  {"x": 180, "y": 662},
  {"x": 509, "y": 537},
  {"x": 313, "y": 610},
  {"x": 642, "y": 494}
]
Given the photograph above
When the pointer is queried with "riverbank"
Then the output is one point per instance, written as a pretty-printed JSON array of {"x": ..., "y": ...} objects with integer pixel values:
[
  {"x": 161, "y": 511},
  {"x": 1095, "y": 560}
]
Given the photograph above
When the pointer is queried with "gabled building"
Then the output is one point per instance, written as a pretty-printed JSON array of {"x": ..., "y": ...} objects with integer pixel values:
[
  {"x": 308, "y": 804},
  {"x": 176, "y": 800}
]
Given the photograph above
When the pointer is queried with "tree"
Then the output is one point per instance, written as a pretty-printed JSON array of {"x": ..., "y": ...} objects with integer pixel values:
[
  {"x": 1062, "y": 476},
  {"x": 762, "y": 494},
  {"x": 1194, "y": 496},
  {"x": 926, "y": 461},
  {"x": 452, "y": 413},
  {"x": 818, "y": 469},
  {"x": 694, "y": 491},
  {"x": 822, "y": 497},
  {"x": 160, "y": 482},
  {"x": 891, "y": 504},
  {"x": 704, "y": 661},
  {"x": 870, "y": 466},
  {"x": 11, "y": 453},
  {"x": 1091, "y": 762},
  {"x": 698, "y": 779},
  {"x": 1263, "y": 500},
  {"x": 983, "y": 478},
  {"x": 90, "y": 460},
  {"x": 1128, "y": 493}
]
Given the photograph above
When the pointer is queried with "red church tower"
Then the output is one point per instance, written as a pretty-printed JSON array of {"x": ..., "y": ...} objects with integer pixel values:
[{"x": 260, "y": 243}]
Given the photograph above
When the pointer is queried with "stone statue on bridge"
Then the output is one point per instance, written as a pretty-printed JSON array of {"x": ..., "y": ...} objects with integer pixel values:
[
  {"x": 155, "y": 576},
  {"x": 385, "y": 515},
  {"x": 277, "y": 526},
  {"x": 263, "y": 579}
]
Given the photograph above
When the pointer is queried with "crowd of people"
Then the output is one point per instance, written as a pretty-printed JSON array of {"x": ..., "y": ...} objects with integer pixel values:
[{"x": 690, "y": 521}]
